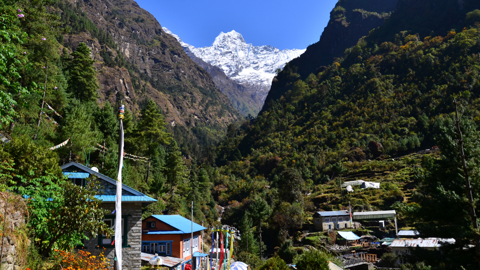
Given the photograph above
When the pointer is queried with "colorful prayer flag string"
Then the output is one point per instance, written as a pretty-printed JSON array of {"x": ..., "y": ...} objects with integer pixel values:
[
  {"x": 60, "y": 145},
  {"x": 55, "y": 112}
]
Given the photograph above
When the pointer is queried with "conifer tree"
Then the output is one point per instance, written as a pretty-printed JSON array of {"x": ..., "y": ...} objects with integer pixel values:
[
  {"x": 82, "y": 77},
  {"x": 152, "y": 129},
  {"x": 444, "y": 209},
  {"x": 248, "y": 242},
  {"x": 175, "y": 169}
]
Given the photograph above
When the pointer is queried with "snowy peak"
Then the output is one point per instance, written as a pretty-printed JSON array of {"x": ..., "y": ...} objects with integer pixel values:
[
  {"x": 251, "y": 66},
  {"x": 232, "y": 37}
]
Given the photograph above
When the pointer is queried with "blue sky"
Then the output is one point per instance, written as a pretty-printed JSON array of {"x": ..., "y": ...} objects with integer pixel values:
[{"x": 280, "y": 23}]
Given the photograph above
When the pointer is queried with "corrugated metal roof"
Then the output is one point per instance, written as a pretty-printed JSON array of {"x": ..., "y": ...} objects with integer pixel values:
[
  {"x": 353, "y": 183},
  {"x": 165, "y": 232},
  {"x": 374, "y": 214},
  {"x": 111, "y": 198},
  {"x": 333, "y": 213},
  {"x": 101, "y": 176},
  {"x": 76, "y": 175},
  {"x": 167, "y": 261},
  {"x": 180, "y": 223},
  {"x": 332, "y": 266},
  {"x": 408, "y": 233},
  {"x": 423, "y": 243},
  {"x": 349, "y": 235}
]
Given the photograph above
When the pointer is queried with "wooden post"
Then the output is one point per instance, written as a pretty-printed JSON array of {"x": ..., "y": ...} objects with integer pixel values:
[
  {"x": 148, "y": 171},
  {"x": 43, "y": 101}
]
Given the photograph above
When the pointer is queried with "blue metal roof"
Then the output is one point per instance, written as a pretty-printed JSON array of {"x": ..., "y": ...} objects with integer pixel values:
[
  {"x": 138, "y": 196},
  {"x": 182, "y": 224},
  {"x": 164, "y": 232},
  {"x": 333, "y": 213},
  {"x": 111, "y": 198},
  {"x": 76, "y": 175}
]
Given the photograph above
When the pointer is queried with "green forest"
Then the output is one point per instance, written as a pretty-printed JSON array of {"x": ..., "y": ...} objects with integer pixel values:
[{"x": 368, "y": 115}]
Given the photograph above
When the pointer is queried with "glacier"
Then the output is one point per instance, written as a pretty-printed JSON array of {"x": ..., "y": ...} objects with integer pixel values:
[{"x": 251, "y": 66}]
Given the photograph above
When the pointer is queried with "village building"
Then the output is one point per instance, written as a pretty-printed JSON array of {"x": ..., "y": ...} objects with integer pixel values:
[
  {"x": 403, "y": 246},
  {"x": 171, "y": 236},
  {"x": 376, "y": 218},
  {"x": 132, "y": 203},
  {"x": 331, "y": 220}
]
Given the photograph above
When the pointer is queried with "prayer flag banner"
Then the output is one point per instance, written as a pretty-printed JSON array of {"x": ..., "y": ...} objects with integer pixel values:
[
  {"x": 60, "y": 145},
  {"x": 55, "y": 112}
]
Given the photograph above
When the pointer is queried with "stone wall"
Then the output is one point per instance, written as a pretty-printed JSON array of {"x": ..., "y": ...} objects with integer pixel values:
[
  {"x": 131, "y": 254},
  {"x": 12, "y": 221}
]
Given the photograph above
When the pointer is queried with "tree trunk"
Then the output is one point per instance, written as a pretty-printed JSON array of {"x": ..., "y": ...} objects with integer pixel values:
[{"x": 468, "y": 187}]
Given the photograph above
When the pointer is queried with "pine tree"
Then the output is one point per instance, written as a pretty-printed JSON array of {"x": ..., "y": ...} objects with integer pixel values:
[
  {"x": 107, "y": 122},
  {"x": 444, "y": 209},
  {"x": 82, "y": 77},
  {"x": 248, "y": 242},
  {"x": 152, "y": 129},
  {"x": 175, "y": 169}
]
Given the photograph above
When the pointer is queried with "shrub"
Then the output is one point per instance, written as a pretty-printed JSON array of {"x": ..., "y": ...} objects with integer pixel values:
[
  {"x": 312, "y": 260},
  {"x": 274, "y": 263}
]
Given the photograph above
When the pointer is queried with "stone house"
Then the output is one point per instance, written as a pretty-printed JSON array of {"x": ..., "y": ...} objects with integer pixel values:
[
  {"x": 132, "y": 203},
  {"x": 331, "y": 220},
  {"x": 171, "y": 236}
]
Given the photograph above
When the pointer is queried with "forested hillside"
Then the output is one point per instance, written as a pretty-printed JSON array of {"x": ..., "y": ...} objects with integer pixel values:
[
  {"x": 349, "y": 21},
  {"x": 364, "y": 116},
  {"x": 136, "y": 61},
  {"x": 62, "y": 80}
]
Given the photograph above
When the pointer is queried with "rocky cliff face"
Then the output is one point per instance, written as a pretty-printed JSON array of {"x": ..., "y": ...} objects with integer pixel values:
[
  {"x": 156, "y": 67},
  {"x": 252, "y": 67},
  {"x": 349, "y": 21}
]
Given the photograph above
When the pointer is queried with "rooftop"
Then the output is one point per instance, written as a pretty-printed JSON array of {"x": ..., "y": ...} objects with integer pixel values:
[
  {"x": 423, "y": 243},
  {"x": 183, "y": 225},
  {"x": 332, "y": 213}
]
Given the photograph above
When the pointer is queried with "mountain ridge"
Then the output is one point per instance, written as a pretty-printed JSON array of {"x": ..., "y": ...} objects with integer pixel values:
[
  {"x": 251, "y": 66},
  {"x": 156, "y": 67}
]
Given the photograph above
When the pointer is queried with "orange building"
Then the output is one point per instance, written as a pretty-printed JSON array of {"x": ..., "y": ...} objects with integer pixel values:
[{"x": 170, "y": 235}]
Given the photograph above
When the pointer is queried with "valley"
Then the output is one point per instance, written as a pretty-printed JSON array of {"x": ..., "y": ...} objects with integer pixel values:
[{"x": 360, "y": 151}]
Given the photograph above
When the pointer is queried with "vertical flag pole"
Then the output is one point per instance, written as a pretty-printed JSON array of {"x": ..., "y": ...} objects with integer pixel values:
[
  {"x": 191, "y": 241},
  {"x": 350, "y": 209},
  {"x": 231, "y": 250},
  {"x": 118, "y": 199}
]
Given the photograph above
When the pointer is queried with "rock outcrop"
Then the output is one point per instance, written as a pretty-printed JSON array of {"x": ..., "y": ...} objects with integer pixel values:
[{"x": 154, "y": 67}]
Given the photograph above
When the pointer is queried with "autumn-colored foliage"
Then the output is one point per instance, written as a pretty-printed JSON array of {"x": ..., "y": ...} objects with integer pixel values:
[{"x": 80, "y": 259}]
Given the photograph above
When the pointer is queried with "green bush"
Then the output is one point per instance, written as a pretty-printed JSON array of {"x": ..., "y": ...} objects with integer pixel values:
[
  {"x": 274, "y": 263},
  {"x": 312, "y": 260}
]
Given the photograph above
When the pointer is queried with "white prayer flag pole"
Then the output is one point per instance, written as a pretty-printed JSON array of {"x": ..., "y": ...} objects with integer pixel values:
[{"x": 118, "y": 198}]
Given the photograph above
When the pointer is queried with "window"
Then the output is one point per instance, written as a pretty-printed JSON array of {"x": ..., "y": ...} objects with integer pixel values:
[
  {"x": 78, "y": 181},
  {"x": 317, "y": 221},
  {"x": 334, "y": 219},
  {"x": 154, "y": 247},
  {"x": 161, "y": 249},
  {"x": 327, "y": 219},
  {"x": 106, "y": 241},
  {"x": 340, "y": 219},
  {"x": 169, "y": 248},
  {"x": 151, "y": 224},
  {"x": 146, "y": 248}
]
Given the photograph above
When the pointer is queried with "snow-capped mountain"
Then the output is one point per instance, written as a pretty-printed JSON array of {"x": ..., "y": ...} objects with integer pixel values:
[{"x": 251, "y": 66}]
